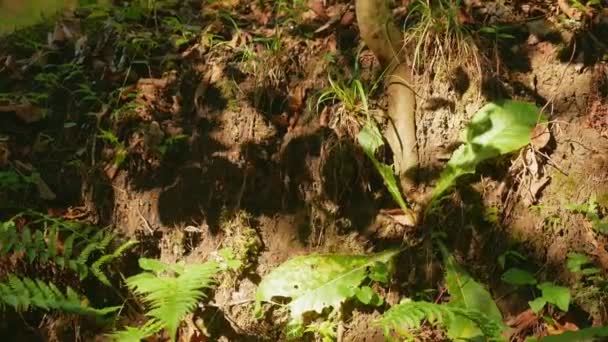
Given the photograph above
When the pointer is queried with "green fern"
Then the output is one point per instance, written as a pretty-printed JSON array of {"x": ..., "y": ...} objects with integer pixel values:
[
  {"x": 96, "y": 267},
  {"x": 410, "y": 315},
  {"x": 40, "y": 239},
  {"x": 134, "y": 334},
  {"x": 24, "y": 293},
  {"x": 172, "y": 290}
]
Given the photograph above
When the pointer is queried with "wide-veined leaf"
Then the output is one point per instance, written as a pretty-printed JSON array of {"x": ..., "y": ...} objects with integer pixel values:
[
  {"x": 466, "y": 293},
  {"x": 316, "y": 282},
  {"x": 497, "y": 128}
]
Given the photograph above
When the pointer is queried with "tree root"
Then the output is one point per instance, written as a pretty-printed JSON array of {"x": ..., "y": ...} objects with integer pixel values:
[{"x": 382, "y": 36}]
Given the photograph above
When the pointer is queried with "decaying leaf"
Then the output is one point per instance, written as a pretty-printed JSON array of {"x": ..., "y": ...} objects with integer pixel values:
[
  {"x": 26, "y": 112},
  {"x": 540, "y": 136}
]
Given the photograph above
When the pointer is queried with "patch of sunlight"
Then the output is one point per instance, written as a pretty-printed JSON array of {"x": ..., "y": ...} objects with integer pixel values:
[{"x": 16, "y": 14}]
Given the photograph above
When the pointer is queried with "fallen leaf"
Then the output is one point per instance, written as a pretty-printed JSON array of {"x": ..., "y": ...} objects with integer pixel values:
[
  {"x": 318, "y": 8},
  {"x": 540, "y": 136},
  {"x": 26, "y": 112},
  {"x": 347, "y": 18}
]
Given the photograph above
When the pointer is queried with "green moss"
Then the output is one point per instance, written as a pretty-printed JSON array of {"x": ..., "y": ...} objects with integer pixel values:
[
  {"x": 242, "y": 238},
  {"x": 567, "y": 185}
]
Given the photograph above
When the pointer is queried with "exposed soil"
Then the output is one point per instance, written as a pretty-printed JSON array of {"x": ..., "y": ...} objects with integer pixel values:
[{"x": 253, "y": 165}]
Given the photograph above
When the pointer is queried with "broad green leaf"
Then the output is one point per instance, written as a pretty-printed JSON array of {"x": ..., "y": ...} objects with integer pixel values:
[
  {"x": 518, "y": 277},
  {"x": 379, "y": 272},
  {"x": 587, "y": 334},
  {"x": 537, "y": 304},
  {"x": 557, "y": 295},
  {"x": 316, "y": 282},
  {"x": 576, "y": 261},
  {"x": 497, "y": 128},
  {"x": 466, "y": 293},
  {"x": 365, "y": 294},
  {"x": 370, "y": 140}
]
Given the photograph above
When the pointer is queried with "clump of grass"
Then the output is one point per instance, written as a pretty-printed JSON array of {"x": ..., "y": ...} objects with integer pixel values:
[{"x": 438, "y": 40}]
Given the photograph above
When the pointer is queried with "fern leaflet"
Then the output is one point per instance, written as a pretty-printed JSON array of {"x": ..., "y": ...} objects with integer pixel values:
[
  {"x": 23, "y": 293},
  {"x": 96, "y": 267},
  {"x": 133, "y": 334},
  {"x": 67, "y": 244},
  {"x": 172, "y": 296},
  {"x": 410, "y": 315}
]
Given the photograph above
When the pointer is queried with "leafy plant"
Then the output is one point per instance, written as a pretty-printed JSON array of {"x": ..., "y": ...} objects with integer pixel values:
[
  {"x": 137, "y": 334},
  {"x": 508, "y": 256},
  {"x": 120, "y": 151},
  {"x": 106, "y": 259},
  {"x": 517, "y": 276},
  {"x": 470, "y": 313},
  {"x": 326, "y": 329},
  {"x": 11, "y": 180},
  {"x": 370, "y": 140},
  {"x": 592, "y": 212},
  {"x": 24, "y": 293},
  {"x": 553, "y": 294},
  {"x": 352, "y": 95},
  {"x": 171, "y": 290},
  {"x": 438, "y": 37},
  {"x": 468, "y": 294},
  {"x": 67, "y": 244},
  {"x": 497, "y": 128},
  {"x": 318, "y": 282},
  {"x": 580, "y": 263},
  {"x": 409, "y": 315}
]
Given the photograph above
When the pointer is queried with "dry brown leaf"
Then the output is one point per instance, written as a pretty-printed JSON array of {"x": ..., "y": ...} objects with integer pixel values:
[
  {"x": 26, "y": 112},
  {"x": 348, "y": 18},
  {"x": 324, "y": 117},
  {"x": 522, "y": 322},
  {"x": 318, "y": 8},
  {"x": 540, "y": 136}
]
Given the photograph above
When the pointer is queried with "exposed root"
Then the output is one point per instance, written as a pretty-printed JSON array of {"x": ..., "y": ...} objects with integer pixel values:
[{"x": 382, "y": 36}]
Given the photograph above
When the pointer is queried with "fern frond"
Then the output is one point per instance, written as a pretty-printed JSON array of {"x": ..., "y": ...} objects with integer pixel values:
[
  {"x": 172, "y": 297},
  {"x": 134, "y": 334},
  {"x": 96, "y": 267},
  {"x": 410, "y": 315},
  {"x": 41, "y": 243},
  {"x": 24, "y": 293}
]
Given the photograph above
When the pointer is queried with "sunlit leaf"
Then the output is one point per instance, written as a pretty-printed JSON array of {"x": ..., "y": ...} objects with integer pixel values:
[
  {"x": 555, "y": 294},
  {"x": 497, "y": 128},
  {"x": 316, "y": 282},
  {"x": 468, "y": 294},
  {"x": 519, "y": 277},
  {"x": 370, "y": 140}
]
